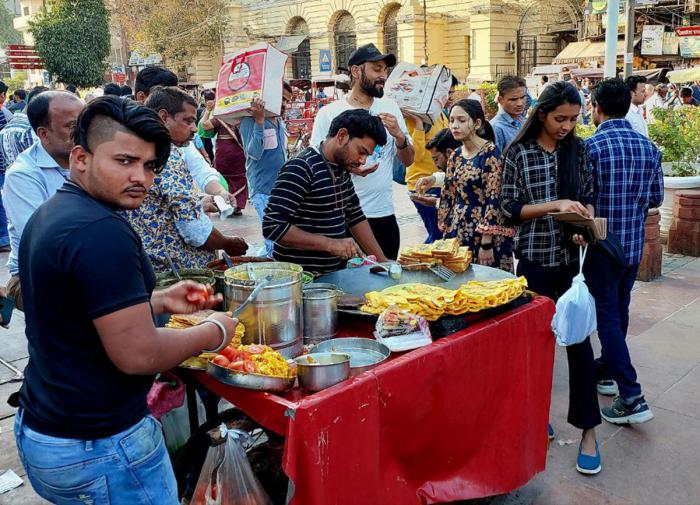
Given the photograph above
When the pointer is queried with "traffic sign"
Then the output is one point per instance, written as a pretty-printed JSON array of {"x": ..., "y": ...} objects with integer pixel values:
[
  {"x": 22, "y": 47},
  {"x": 27, "y": 66}
]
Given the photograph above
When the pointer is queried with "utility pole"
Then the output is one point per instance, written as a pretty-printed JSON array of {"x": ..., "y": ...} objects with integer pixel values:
[
  {"x": 610, "y": 68},
  {"x": 629, "y": 38}
]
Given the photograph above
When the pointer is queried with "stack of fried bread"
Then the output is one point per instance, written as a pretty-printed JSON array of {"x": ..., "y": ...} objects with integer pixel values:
[{"x": 445, "y": 252}]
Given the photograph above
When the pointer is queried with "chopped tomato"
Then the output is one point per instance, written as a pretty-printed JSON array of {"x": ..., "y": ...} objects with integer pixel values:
[
  {"x": 230, "y": 353},
  {"x": 221, "y": 360},
  {"x": 237, "y": 366},
  {"x": 239, "y": 355},
  {"x": 256, "y": 349},
  {"x": 249, "y": 366}
]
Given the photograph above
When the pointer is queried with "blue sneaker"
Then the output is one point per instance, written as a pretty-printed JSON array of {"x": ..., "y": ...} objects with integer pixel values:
[
  {"x": 588, "y": 465},
  {"x": 550, "y": 432}
]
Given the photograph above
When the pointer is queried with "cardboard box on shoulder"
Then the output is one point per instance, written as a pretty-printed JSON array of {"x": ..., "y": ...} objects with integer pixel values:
[{"x": 422, "y": 91}]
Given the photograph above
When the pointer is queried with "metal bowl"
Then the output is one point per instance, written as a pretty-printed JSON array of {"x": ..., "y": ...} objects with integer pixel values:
[
  {"x": 365, "y": 353},
  {"x": 320, "y": 370},
  {"x": 253, "y": 381}
]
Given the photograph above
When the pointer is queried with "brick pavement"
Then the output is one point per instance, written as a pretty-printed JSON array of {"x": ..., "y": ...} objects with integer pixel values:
[{"x": 652, "y": 464}]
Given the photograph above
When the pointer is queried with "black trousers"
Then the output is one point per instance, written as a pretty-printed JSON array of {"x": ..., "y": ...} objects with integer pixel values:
[
  {"x": 584, "y": 412},
  {"x": 386, "y": 231}
]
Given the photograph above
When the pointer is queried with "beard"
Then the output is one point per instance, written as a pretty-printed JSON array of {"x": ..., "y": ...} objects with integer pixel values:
[
  {"x": 370, "y": 87},
  {"x": 342, "y": 160}
]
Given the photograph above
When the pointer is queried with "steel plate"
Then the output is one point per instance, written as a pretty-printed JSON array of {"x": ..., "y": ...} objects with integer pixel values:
[
  {"x": 365, "y": 353},
  {"x": 253, "y": 381}
]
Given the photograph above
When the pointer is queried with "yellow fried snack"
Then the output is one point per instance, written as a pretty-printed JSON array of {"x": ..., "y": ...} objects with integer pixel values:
[
  {"x": 432, "y": 302},
  {"x": 268, "y": 361}
]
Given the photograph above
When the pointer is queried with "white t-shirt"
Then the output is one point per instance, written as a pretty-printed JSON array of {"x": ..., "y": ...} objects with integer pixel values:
[
  {"x": 636, "y": 119},
  {"x": 375, "y": 191}
]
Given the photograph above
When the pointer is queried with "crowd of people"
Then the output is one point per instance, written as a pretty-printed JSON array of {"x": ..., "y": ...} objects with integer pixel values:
[{"x": 100, "y": 196}]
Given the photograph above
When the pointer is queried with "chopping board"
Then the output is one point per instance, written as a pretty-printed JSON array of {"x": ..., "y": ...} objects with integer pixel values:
[{"x": 358, "y": 281}]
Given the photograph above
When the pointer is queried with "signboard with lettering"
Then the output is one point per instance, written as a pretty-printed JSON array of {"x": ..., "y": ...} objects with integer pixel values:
[
  {"x": 324, "y": 60},
  {"x": 653, "y": 39},
  {"x": 689, "y": 41}
]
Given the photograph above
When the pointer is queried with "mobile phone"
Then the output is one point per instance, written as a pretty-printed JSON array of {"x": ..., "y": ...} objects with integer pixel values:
[{"x": 7, "y": 305}]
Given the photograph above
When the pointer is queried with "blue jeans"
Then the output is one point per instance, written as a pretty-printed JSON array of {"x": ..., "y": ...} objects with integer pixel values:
[
  {"x": 259, "y": 201},
  {"x": 129, "y": 468},
  {"x": 429, "y": 215},
  {"x": 611, "y": 284},
  {"x": 4, "y": 235}
]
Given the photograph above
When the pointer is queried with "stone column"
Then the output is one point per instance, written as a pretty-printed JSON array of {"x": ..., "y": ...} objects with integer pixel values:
[
  {"x": 684, "y": 234},
  {"x": 650, "y": 267}
]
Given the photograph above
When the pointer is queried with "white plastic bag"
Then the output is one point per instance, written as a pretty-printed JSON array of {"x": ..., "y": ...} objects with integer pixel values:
[
  {"x": 575, "y": 317},
  {"x": 401, "y": 331},
  {"x": 227, "y": 478}
]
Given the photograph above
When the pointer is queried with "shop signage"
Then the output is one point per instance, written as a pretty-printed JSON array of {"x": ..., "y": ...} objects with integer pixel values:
[
  {"x": 653, "y": 39},
  {"x": 324, "y": 60},
  {"x": 689, "y": 41}
]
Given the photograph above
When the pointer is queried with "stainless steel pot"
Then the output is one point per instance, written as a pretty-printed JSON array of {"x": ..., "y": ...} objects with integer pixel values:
[
  {"x": 275, "y": 317},
  {"x": 317, "y": 371},
  {"x": 320, "y": 312}
]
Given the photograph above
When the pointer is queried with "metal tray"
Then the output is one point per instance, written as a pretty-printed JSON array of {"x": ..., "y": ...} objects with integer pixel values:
[
  {"x": 253, "y": 381},
  {"x": 365, "y": 353}
]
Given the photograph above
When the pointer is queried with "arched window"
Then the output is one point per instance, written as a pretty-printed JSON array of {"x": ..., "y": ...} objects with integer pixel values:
[
  {"x": 391, "y": 32},
  {"x": 345, "y": 40},
  {"x": 301, "y": 58}
]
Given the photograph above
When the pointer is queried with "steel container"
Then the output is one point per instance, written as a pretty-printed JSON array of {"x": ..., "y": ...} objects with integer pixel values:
[
  {"x": 320, "y": 312},
  {"x": 321, "y": 370},
  {"x": 365, "y": 353},
  {"x": 275, "y": 318}
]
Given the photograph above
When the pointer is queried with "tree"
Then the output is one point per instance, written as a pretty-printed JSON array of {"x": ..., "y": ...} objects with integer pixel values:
[
  {"x": 72, "y": 37},
  {"x": 8, "y": 34},
  {"x": 16, "y": 82},
  {"x": 175, "y": 29}
]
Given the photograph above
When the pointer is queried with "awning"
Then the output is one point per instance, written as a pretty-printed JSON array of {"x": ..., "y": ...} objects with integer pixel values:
[
  {"x": 591, "y": 73},
  {"x": 684, "y": 75},
  {"x": 570, "y": 53},
  {"x": 653, "y": 75},
  {"x": 552, "y": 69},
  {"x": 290, "y": 44},
  {"x": 597, "y": 50}
]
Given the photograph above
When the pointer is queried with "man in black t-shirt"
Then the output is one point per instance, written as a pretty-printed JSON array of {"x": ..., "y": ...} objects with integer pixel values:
[{"x": 83, "y": 431}]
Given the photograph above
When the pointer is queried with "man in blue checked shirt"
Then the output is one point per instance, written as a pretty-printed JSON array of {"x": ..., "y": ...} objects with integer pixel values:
[{"x": 626, "y": 167}]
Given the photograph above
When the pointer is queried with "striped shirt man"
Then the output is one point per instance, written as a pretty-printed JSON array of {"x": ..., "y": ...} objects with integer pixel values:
[{"x": 318, "y": 197}]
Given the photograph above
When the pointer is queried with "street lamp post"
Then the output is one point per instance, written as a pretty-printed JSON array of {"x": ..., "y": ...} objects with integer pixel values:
[
  {"x": 629, "y": 38},
  {"x": 610, "y": 68}
]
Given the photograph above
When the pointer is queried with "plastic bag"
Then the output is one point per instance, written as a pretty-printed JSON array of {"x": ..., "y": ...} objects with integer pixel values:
[
  {"x": 400, "y": 330},
  {"x": 575, "y": 317},
  {"x": 227, "y": 478}
]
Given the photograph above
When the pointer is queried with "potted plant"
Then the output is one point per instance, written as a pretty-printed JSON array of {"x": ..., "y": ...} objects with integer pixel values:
[{"x": 675, "y": 132}]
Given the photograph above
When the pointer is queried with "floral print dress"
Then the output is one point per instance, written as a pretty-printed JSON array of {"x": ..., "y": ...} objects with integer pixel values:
[{"x": 471, "y": 196}]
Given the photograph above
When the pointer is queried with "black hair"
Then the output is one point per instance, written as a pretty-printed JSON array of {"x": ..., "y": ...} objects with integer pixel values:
[
  {"x": 359, "y": 123},
  {"x": 150, "y": 77},
  {"x": 112, "y": 89},
  {"x": 126, "y": 90},
  {"x": 130, "y": 115},
  {"x": 209, "y": 94},
  {"x": 545, "y": 78},
  {"x": 35, "y": 91},
  {"x": 170, "y": 98},
  {"x": 633, "y": 81},
  {"x": 476, "y": 112},
  {"x": 455, "y": 81},
  {"x": 287, "y": 87},
  {"x": 3, "y": 87},
  {"x": 509, "y": 83},
  {"x": 686, "y": 92},
  {"x": 39, "y": 105},
  {"x": 613, "y": 97},
  {"x": 72, "y": 88},
  {"x": 571, "y": 148},
  {"x": 442, "y": 141},
  {"x": 20, "y": 93}
]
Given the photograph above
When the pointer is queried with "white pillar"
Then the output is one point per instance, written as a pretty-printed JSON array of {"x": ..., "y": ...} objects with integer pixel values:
[{"x": 610, "y": 69}]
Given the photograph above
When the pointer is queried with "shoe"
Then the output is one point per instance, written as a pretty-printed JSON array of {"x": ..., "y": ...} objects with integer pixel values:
[
  {"x": 620, "y": 413},
  {"x": 588, "y": 465},
  {"x": 550, "y": 432},
  {"x": 5, "y": 248},
  {"x": 607, "y": 387}
]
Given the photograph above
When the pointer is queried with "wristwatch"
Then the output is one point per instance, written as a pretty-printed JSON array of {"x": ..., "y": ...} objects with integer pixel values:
[{"x": 405, "y": 143}]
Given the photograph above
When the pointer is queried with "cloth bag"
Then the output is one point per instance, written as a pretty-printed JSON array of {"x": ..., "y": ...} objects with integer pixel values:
[
  {"x": 254, "y": 72},
  {"x": 575, "y": 317}
]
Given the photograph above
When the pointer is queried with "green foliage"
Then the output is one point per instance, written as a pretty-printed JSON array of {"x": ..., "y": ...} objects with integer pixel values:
[
  {"x": 490, "y": 91},
  {"x": 72, "y": 36},
  {"x": 8, "y": 34},
  {"x": 16, "y": 82},
  {"x": 675, "y": 132},
  {"x": 584, "y": 131}
]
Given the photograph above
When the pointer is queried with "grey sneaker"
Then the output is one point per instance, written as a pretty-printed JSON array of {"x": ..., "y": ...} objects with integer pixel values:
[
  {"x": 607, "y": 387},
  {"x": 620, "y": 413}
]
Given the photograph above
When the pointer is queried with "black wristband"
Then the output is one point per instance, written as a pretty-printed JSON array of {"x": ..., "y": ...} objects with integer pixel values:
[{"x": 486, "y": 247}]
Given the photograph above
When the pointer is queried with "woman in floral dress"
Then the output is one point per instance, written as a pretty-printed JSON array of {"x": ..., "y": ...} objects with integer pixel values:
[{"x": 471, "y": 192}]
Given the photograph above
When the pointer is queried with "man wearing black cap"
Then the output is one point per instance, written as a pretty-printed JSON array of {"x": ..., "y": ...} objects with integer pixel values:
[{"x": 373, "y": 181}]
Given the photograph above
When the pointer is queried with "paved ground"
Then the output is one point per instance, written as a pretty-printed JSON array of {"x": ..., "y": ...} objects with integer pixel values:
[{"x": 653, "y": 464}]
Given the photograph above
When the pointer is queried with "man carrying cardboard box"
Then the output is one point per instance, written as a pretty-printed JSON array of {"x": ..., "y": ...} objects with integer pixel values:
[{"x": 373, "y": 181}]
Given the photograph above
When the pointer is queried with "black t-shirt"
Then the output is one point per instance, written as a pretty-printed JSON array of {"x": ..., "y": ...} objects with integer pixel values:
[{"x": 79, "y": 260}]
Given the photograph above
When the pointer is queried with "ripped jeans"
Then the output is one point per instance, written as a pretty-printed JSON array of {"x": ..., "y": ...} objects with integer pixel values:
[{"x": 129, "y": 468}]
